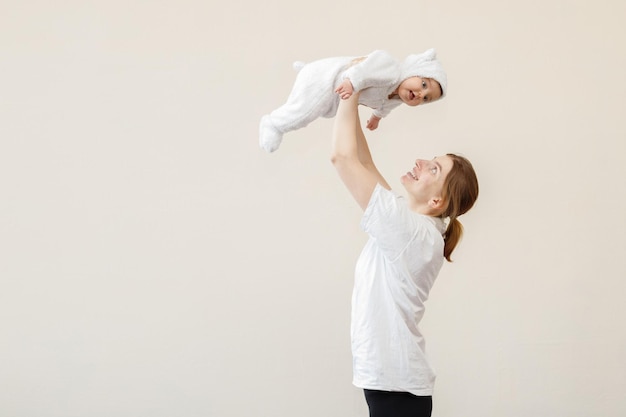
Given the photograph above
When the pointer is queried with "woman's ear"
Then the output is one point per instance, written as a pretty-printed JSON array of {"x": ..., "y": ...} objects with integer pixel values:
[{"x": 437, "y": 203}]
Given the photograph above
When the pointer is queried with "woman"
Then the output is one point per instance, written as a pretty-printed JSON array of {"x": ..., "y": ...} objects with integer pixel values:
[{"x": 409, "y": 239}]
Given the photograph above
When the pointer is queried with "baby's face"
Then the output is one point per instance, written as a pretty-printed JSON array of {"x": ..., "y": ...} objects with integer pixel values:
[{"x": 417, "y": 90}]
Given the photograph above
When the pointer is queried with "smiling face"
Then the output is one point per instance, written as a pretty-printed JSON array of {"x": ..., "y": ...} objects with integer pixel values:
[
  {"x": 424, "y": 184},
  {"x": 417, "y": 90}
]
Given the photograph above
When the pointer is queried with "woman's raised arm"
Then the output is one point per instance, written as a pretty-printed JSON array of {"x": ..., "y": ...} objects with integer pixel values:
[{"x": 350, "y": 153}]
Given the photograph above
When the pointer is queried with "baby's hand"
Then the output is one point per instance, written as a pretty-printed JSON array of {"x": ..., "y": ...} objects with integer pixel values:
[
  {"x": 345, "y": 89},
  {"x": 372, "y": 123}
]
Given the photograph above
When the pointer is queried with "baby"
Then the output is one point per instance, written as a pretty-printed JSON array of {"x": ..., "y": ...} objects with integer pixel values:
[{"x": 383, "y": 83}]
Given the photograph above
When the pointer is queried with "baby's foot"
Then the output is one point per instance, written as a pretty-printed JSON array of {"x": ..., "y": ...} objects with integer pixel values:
[{"x": 269, "y": 136}]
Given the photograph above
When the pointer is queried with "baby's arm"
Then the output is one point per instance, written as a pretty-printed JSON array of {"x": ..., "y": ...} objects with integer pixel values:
[
  {"x": 377, "y": 69},
  {"x": 345, "y": 89},
  {"x": 372, "y": 123}
]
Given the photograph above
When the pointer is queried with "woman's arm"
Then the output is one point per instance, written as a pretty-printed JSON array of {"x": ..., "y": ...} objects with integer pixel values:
[{"x": 350, "y": 153}]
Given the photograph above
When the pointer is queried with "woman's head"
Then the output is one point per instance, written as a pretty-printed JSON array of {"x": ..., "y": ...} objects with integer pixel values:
[
  {"x": 445, "y": 187},
  {"x": 425, "y": 183}
]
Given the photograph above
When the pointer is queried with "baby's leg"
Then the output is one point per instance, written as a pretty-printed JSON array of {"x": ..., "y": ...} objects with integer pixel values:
[
  {"x": 269, "y": 136},
  {"x": 308, "y": 101}
]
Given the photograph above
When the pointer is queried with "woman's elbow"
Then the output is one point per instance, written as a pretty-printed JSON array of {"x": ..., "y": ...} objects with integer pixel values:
[{"x": 338, "y": 159}]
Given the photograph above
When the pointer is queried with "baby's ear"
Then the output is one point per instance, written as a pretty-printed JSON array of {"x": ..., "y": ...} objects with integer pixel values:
[
  {"x": 438, "y": 84},
  {"x": 429, "y": 54}
]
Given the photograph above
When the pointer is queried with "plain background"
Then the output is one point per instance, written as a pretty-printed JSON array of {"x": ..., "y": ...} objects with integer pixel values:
[{"x": 155, "y": 262}]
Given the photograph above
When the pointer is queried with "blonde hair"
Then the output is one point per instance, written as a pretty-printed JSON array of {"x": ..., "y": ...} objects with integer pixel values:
[{"x": 460, "y": 191}]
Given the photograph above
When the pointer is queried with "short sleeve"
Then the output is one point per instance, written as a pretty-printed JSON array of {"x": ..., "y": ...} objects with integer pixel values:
[
  {"x": 394, "y": 227},
  {"x": 387, "y": 220}
]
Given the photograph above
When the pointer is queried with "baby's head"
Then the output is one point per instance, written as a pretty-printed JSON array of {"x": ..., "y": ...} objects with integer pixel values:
[
  {"x": 423, "y": 79},
  {"x": 417, "y": 90}
]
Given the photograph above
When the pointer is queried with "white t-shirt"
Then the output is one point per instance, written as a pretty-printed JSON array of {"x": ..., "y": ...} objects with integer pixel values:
[{"x": 393, "y": 277}]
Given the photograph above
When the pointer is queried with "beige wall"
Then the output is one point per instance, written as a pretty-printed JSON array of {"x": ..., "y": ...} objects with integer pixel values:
[{"x": 155, "y": 262}]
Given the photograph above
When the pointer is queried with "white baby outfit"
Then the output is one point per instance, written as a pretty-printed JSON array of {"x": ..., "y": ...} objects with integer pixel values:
[{"x": 313, "y": 93}]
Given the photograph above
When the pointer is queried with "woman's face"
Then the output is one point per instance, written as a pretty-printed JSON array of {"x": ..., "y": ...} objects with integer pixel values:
[
  {"x": 424, "y": 182},
  {"x": 417, "y": 90}
]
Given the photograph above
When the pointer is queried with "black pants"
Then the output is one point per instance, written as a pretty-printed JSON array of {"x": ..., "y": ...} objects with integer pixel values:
[{"x": 397, "y": 404}]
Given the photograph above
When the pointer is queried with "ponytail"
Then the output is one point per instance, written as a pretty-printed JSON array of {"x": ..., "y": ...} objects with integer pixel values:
[
  {"x": 460, "y": 192},
  {"x": 451, "y": 237}
]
